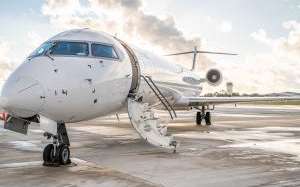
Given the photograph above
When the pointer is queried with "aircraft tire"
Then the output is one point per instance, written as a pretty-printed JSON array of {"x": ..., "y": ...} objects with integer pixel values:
[
  {"x": 198, "y": 118},
  {"x": 48, "y": 156},
  {"x": 207, "y": 118},
  {"x": 64, "y": 154}
]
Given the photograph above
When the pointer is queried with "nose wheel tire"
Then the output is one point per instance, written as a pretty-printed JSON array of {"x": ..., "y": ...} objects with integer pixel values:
[
  {"x": 48, "y": 154},
  {"x": 64, "y": 154}
]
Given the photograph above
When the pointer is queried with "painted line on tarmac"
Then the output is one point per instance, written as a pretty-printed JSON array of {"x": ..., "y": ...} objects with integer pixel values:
[
  {"x": 20, "y": 164},
  {"x": 37, "y": 163}
]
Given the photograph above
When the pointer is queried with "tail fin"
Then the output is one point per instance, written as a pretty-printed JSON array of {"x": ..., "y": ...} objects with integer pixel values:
[{"x": 195, "y": 52}]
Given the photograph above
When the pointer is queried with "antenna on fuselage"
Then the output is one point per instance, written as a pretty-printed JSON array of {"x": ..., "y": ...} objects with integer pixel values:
[{"x": 195, "y": 52}]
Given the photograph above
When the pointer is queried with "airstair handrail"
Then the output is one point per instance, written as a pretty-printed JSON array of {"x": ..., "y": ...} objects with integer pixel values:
[{"x": 160, "y": 96}]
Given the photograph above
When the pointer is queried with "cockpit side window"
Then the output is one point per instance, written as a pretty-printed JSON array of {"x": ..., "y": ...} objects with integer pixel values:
[
  {"x": 70, "y": 48},
  {"x": 105, "y": 51},
  {"x": 41, "y": 50}
]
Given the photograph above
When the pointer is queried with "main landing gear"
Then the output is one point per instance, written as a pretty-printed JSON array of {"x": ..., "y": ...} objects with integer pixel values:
[
  {"x": 57, "y": 153},
  {"x": 203, "y": 115}
]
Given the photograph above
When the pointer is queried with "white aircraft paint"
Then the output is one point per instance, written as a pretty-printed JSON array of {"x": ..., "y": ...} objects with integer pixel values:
[
  {"x": 73, "y": 88},
  {"x": 111, "y": 79},
  {"x": 64, "y": 88}
]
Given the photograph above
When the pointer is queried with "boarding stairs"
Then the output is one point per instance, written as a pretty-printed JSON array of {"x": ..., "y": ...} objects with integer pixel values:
[{"x": 145, "y": 122}]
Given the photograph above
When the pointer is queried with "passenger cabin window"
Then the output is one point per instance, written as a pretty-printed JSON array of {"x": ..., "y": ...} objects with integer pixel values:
[
  {"x": 106, "y": 51},
  {"x": 70, "y": 48}
]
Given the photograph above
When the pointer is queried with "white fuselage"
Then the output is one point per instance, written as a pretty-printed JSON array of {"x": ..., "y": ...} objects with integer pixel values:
[{"x": 72, "y": 88}]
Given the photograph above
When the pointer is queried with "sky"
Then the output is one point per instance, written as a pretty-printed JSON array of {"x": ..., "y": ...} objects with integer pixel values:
[{"x": 265, "y": 34}]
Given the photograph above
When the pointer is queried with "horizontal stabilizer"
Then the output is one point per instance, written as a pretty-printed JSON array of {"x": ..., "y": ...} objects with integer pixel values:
[
  {"x": 205, "y": 52},
  {"x": 195, "y": 52}
]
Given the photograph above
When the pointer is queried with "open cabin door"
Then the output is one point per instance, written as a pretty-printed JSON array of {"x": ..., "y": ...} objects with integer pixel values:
[
  {"x": 136, "y": 73},
  {"x": 140, "y": 114}
]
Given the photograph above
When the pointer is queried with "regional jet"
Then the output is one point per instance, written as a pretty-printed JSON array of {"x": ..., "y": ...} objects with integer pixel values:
[{"x": 82, "y": 74}]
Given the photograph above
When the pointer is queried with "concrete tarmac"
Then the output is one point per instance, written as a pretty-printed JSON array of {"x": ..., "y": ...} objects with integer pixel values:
[{"x": 246, "y": 146}]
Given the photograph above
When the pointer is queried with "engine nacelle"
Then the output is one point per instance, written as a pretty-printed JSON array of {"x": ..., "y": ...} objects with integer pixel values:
[{"x": 214, "y": 77}]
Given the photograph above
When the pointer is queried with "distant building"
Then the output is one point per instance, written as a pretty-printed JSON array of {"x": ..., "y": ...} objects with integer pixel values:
[{"x": 229, "y": 88}]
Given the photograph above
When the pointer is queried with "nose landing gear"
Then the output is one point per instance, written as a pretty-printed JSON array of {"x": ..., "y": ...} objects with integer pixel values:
[{"x": 57, "y": 153}]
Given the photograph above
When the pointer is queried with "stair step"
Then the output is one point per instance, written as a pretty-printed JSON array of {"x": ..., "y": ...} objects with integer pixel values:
[{"x": 148, "y": 126}]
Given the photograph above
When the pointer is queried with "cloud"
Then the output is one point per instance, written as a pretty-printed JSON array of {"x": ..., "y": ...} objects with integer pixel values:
[
  {"x": 127, "y": 19},
  {"x": 56, "y": 8},
  {"x": 291, "y": 44},
  {"x": 261, "y": 36},
  {"x": 6, "y": 64},
  {"x": 225, "y": 26},
  {"x": 276, "y": 70},
  {"x": 284, "y": 46},
  {"x": 35, "y": 40},
  {"x": 132, "y": 5}
]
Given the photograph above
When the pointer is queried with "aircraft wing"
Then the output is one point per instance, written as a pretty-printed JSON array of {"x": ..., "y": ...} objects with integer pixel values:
[{"x": 200, "y": 101}]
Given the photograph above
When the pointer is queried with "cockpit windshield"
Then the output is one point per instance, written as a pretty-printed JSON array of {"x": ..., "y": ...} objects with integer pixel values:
[
  {"x": 70, "y": 48},
  {"x": 102, "y": 50},
  {"x": 62, "y": 48}
]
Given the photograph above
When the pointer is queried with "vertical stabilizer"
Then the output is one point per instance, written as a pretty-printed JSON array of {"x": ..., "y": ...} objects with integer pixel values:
[{"x": 194, "y": 58}]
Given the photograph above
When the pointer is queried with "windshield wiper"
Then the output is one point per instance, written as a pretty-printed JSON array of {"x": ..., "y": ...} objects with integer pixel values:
[{"x": 47, "y": 55}]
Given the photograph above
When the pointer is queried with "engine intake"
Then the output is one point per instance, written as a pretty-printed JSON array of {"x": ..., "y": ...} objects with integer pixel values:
[{"x": 214, "y": 77}]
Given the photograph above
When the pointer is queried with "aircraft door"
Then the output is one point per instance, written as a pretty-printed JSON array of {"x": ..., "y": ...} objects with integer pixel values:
[{"x": 136, "y": 74}]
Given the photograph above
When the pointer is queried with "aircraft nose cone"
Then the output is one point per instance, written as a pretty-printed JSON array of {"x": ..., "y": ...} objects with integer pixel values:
[{"x": 25, "y": 96}]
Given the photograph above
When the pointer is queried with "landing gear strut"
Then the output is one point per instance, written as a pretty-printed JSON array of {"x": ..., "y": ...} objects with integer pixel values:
[
  {"x": 57, "y": 153},
  {"x": 203, "y": 115}
]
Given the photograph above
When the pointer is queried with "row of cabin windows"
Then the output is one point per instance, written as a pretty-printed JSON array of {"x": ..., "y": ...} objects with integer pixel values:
[{"x": 75, "y": 49}]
